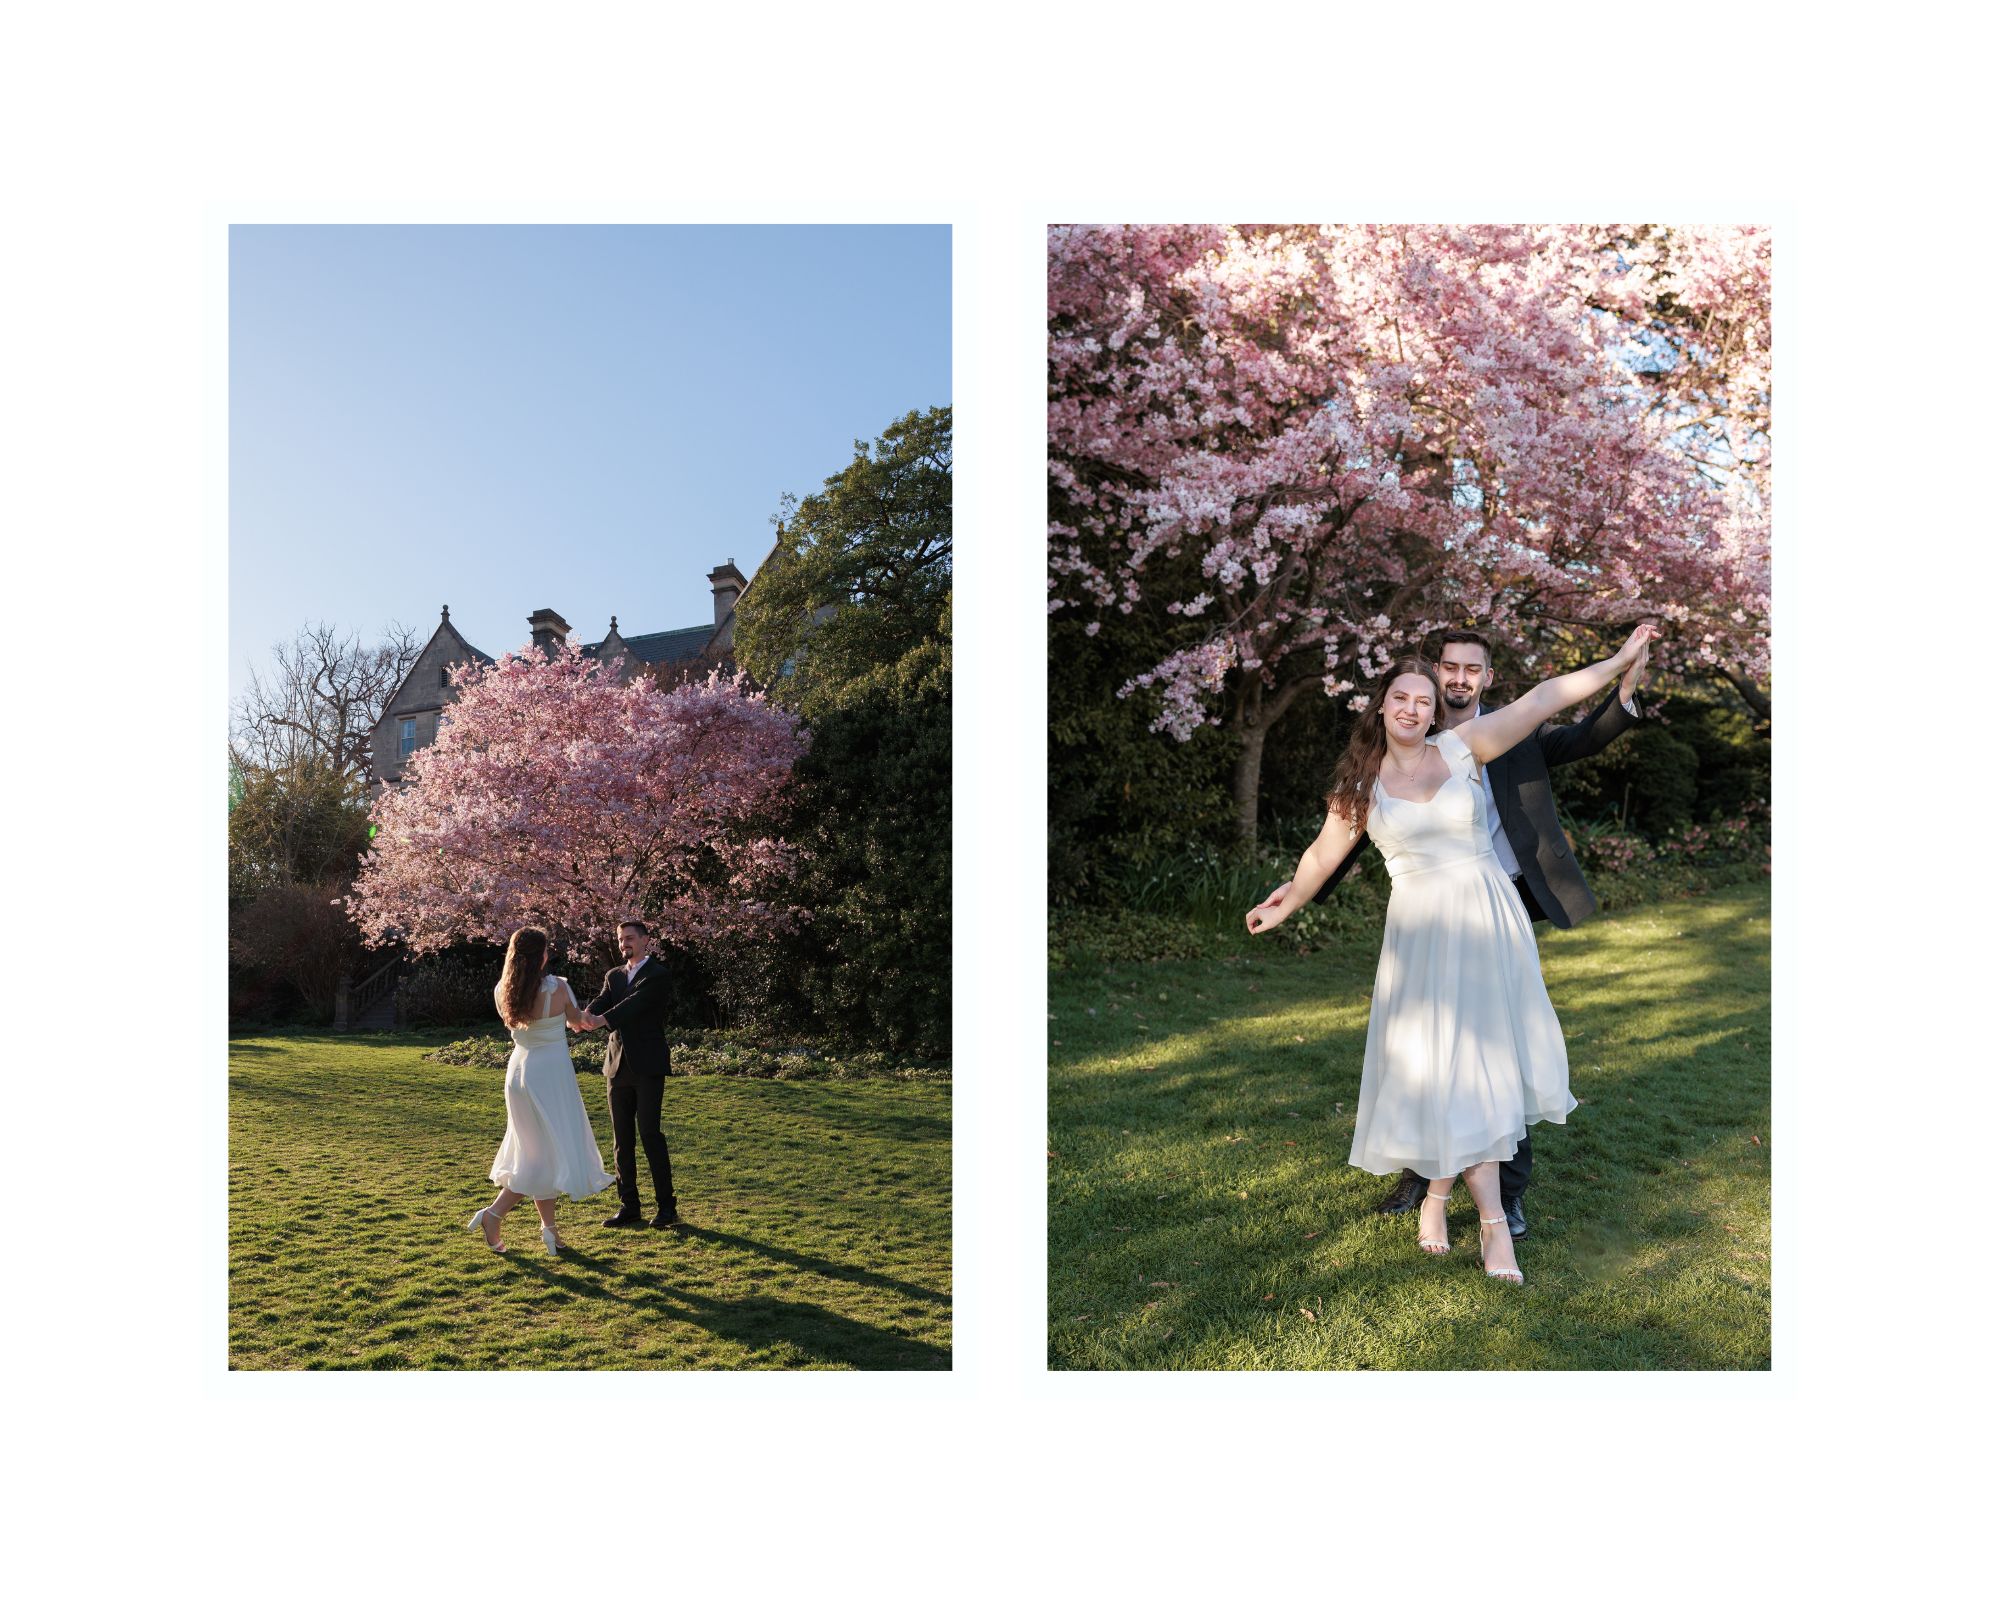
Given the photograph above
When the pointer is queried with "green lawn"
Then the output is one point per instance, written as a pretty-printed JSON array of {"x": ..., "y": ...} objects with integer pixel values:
[
  {"x": 1202, "y": 1213},
  {"x": 819, "y": 1223}
]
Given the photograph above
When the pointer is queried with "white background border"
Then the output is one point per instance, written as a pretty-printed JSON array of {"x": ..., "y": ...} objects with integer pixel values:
[{"x": 136, "y": 134}]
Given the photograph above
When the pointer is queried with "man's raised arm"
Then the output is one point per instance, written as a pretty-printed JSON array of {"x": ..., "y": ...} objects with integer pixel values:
[{"x": 1578, "y": 741}]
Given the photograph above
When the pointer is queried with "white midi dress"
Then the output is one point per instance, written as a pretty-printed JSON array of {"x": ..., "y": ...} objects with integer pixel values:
[
  {"x": 549, "y": 1148},
  {"x": 1464, "y": 1051}
]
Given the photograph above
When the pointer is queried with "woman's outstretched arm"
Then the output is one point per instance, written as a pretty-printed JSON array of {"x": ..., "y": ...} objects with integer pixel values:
[
  {"x": 1322, "y": 856},
  {"x": 1492, "y": 735},
  {"x": 578, "y": 1018}
]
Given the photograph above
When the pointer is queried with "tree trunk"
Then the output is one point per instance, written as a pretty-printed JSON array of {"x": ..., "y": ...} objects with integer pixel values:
[
  {"x": 1249, "y": 773},
  {"x": 1258, "y": 715}
]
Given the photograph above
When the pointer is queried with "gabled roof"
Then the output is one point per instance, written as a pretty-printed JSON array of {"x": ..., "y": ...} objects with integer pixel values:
[
  {"x": 444, "y": 626},
  {"x": 677, "y": 644}
]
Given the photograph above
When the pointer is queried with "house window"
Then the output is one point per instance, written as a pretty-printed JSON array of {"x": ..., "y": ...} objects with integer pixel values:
[
  {"x": 409, "y": 742},
  {"x": 444, "y": 677}
]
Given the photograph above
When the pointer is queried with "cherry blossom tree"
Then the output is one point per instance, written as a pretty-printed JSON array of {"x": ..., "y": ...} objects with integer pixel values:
[
  {"x": 1367, "y": 434},
  {"x": 556, "y": 795}
]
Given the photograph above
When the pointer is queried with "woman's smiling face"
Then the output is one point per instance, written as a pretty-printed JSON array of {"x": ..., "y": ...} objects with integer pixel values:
[{"x": 1409, "y": 708}]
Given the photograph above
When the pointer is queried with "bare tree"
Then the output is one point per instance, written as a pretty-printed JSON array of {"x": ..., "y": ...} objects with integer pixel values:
[{"x": 322, "y": 697}]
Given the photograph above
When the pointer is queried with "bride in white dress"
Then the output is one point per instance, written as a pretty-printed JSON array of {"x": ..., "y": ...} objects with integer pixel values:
[
  {"x": 549, "y": 1149},
  {"x": 1464, "y": 1050}
]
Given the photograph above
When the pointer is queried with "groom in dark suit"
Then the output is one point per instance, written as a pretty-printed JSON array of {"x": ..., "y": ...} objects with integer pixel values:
[
  {"x": 1527, "y": 837},
  {"x": 633, "y": 1003}
]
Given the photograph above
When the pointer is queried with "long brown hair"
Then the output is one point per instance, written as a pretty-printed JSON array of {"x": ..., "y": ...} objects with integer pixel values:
[
  {"x": 1354, "y": 775},
  {"x": 521, "y": 977}
]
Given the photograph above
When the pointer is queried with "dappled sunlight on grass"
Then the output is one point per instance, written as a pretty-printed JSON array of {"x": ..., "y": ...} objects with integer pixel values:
[
  {"x": 819, "y": 1224},
  {"x": 1202, "y": 1213},
  {"x": 1304, "y": 1023}
]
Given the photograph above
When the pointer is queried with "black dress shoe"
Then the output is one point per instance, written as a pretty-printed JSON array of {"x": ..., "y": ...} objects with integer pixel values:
[
  {"x": 1517, "y": 1224},
  {"x": 669, "y": 1218},
  {"x": 1406, "y": 1196},
  {"x": 624, "y": 1217}
]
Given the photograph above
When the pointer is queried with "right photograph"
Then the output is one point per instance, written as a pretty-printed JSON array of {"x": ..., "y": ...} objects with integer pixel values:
[{"x": 1409, "y": 818}]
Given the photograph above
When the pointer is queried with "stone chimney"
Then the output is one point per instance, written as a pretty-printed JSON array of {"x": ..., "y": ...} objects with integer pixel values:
[
  {"x": 727, "y": 583},
  {"x": 549, "y": 631}
]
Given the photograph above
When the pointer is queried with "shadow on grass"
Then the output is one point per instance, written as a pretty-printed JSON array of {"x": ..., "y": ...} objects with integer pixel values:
[
  {"x": 818, "y": 1265},
  {"x": 1200, "y": 1160},
  {"x": 757, "y": 1321},
  {"x": 338, "y": 1146}
]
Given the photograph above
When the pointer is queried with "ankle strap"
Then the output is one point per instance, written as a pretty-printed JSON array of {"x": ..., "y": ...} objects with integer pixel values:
[{"x": 1487, "y": 1222}]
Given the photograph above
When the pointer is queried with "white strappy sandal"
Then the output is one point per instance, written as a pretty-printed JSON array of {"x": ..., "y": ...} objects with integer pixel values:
[
  {"x": 550, "y": 1240},
  {"x": 478, "y": 1225},
  {"x": 1504, "y": 1274},
  {"x": 1434, "y": 1247}
]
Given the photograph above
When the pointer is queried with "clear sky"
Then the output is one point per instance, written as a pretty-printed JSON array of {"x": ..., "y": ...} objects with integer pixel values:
[{"x": 587, "y": 418}]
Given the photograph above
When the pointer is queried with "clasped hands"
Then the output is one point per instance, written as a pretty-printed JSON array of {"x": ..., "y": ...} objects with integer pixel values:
[{"x": 590, "y": 1023}]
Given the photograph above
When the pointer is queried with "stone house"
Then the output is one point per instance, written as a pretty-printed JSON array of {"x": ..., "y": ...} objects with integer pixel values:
[{"x": 677, "y": 656}]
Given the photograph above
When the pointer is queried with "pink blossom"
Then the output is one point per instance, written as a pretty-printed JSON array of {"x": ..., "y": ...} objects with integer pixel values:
[
  {"x": 556, "y": 795},
  {"x": 1371, "y": 433}
]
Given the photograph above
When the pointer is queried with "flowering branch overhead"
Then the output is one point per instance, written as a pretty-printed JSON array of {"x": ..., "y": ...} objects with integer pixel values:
[{"x": 1367, "y": 434}]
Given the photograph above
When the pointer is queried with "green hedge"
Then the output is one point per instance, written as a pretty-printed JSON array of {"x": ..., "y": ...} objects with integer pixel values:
[
  {"x": 1085, "y": 936},
  {"x": 714, "y": 1053}
]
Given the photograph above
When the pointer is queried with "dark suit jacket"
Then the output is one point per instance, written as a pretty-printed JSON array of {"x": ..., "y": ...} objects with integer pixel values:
[
  {"x": 1528, "y": 812},
  {"x": 636, "y": 1008}
]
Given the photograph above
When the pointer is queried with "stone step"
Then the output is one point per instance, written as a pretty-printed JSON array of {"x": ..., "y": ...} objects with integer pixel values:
[{"x": 381, "y": 1015}]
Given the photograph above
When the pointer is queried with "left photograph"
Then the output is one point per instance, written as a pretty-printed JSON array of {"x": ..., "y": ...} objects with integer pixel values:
[{"x": 589, "y": 799}]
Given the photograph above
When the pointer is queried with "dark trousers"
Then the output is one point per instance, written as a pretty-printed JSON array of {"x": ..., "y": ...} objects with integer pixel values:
[
  {"x": 1515, "y": 1170},
  {"x": 635, "y": 1108}
]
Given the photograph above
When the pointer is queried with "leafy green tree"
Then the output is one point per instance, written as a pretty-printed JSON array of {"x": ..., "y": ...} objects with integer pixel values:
[
  {"x": 1120, "y": 797},
  {"x": 861, "y": 576},
  {"x": 873, "y": 834},
  {"x": 1702, "y": 759},
  {"x": 849, "y": 623},
  {"x": 307, "y": 823}
]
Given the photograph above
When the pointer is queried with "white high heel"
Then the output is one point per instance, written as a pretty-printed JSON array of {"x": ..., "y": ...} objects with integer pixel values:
[
  {"x": 1434, "y": 1247},
  {"x": 550, "y": 1241},
  {"x": 1504, "y": 1274},
  {"x": 478, "y": 1225}
]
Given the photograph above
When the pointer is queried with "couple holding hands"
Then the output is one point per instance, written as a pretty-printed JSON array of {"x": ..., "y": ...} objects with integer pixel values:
[{"x": 549, "y": 1149}]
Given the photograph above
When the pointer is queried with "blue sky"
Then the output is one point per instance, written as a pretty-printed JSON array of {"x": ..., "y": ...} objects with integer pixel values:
[{"x": 588, "y": 418}]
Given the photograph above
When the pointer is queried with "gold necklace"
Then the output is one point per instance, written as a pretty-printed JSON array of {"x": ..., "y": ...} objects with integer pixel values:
[{"x": 1403, "y": 772}]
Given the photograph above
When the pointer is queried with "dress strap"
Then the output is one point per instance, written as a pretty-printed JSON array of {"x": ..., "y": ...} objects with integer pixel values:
[{"x": 1455, "y": 751}]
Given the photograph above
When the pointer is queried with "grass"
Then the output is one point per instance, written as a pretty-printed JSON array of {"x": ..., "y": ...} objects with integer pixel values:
[
  {"x": 1202, "y": 1214},
  {"x": 819, "y": 1223}
]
